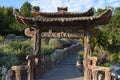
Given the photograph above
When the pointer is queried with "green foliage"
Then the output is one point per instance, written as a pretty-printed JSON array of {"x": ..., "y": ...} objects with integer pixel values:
[
  {"x": 107, "y": 64},
  {"x": 8, "y": 23},
  {"x": 113, "y": 58},
  {"x": 57, "y": 43},
  {"x": 109, "y": 39},
  {"x": 17, "y": 27},
  {"x": 9, "y": 60},
  {"x": 81, "y": 53},
  {"x": 1, "y": 38},
  {"x": 82, "y": 41},
  {"x": 60, "y": 43},
  {"x": 47, "y": 50},
  {"x": 102, "y": 40},
  {"x": 26, "y": 9},
  {"x": 67, "y": 42},
  {"x": 45, "y": 41},
  {"x": 19, "y": 49},
  {"x": 6, "y": 19},
  {"x": 36, "y": 8},
  {"x": 15, "y": 52}
]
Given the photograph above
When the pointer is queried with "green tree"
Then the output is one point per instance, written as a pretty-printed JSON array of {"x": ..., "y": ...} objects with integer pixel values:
[
  {"x": 6, "y": 18},
  {"x": 26, "y": 9},
  {"x": 37, "y": 8}
]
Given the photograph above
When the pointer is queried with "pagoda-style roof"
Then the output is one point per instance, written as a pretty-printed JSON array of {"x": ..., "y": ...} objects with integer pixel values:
[
  {"x": 64, "y": 20},
  {"x": 62, "y": 12}
]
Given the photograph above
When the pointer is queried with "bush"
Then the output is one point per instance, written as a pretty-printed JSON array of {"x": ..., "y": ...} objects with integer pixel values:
[
  {"x": 10, "y": 36},
  {"x": 82, "y": 41},
  {"x": 1, "y": 38},
  {"x": 57, "y": 43},
  {"x": 47, "y": 50},
  {"x": 67, "y": 42},
  {"x": 113, "y": 58},
  {"x": 45, "y": 41},
  {"x": 18, "y": 48},
  {"x": 9, "y": 60},
  {"x": 81, "y": 53}
]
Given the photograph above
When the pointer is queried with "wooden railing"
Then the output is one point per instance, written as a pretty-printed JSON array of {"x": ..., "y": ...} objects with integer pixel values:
[
  {"x": 18, "y": 69},
  {"x": 93, "y": 68},
  {"x": 33, "y": 62}
]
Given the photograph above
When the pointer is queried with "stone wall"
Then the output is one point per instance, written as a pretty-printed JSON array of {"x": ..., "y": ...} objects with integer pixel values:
[{"x": 52, "y": 60}]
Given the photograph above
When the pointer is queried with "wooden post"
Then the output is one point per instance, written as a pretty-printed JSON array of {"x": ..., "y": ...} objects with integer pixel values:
[
  {"x": 86, "y": 53},
  {"x": 18, "y": 75},
  {"x": 37, "y": 55},
  {"x": 94, "y": 74},
  {"x": 107, "y": 75},
  {"x": 34, "y": 61},
  {"x": 30, "y": 68},
  {"x": 37, "y": 44}
]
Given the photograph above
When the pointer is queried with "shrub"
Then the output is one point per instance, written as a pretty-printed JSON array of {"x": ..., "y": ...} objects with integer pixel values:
[
  {"x": 113, "y": 58},
  {"x": 9, "y": 60},
  {"x": 57, "y": 43},
  {"x": 82, "y": 41},
  {"x": 66, "y": 42},
  {"x": 1, "y": 38},
  {"x": 15, "y": 52},
  {"x": 18, "y": 48},
  {"x": 45, "y": 41},
  {"x": 81, "y": 53},
  {"x": 10, "y": 36},
  {"x": 47, "y": 50}
]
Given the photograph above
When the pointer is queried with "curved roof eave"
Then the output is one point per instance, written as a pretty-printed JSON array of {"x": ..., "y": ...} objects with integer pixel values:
[
  {"x": 61, "y": 22},
  {"x": 90, "y": 12}
]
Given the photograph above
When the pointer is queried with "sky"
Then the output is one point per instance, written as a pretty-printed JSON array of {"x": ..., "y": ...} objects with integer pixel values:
[{"x": 73, "y": 5}]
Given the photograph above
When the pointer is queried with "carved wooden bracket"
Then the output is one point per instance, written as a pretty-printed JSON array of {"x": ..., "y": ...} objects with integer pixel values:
[{"x": 29, "y": 32}]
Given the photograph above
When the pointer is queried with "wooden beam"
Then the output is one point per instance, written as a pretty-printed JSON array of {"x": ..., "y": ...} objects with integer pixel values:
[
  {"x": 23, "y": 67},
  {"x": 99, "y": 68},
  {"x": 32, "y": 32},
  {"x": 61, "y": 35}
]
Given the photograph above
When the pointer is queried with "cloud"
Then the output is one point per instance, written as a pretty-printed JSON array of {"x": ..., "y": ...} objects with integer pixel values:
[
  {"x": 116, "y": 4},
  {"x": 113, "y": 3},
  {"x": 73, "y": 5}
]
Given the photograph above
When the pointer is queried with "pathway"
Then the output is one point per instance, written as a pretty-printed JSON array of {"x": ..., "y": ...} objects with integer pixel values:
[{"x": 65, "y": 70}]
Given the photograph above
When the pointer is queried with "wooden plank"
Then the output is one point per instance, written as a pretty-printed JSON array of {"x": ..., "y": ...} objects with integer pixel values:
[
  {"x": 99, "y": 68},
  {"x": 23, "y": 67}
]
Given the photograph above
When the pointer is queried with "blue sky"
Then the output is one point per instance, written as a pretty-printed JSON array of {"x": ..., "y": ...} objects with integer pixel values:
[{"x": 73, "y": 5}]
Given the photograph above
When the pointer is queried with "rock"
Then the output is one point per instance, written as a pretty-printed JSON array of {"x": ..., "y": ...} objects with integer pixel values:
[
  {"x": 3, "y": 72},
  {"x": 100, "y": 77},
  {"x": 10, "y": 75}
]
